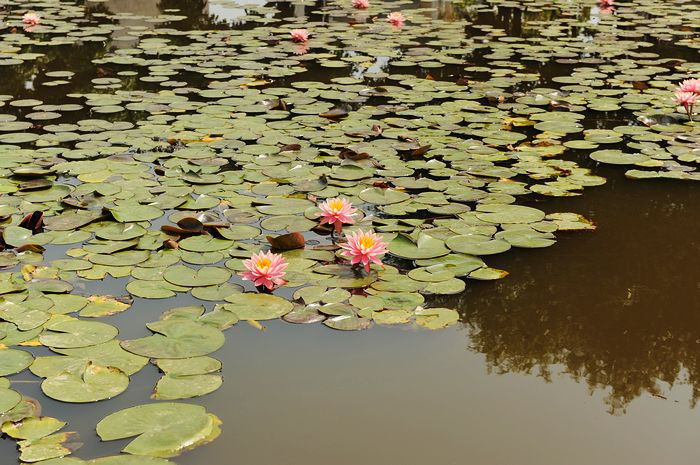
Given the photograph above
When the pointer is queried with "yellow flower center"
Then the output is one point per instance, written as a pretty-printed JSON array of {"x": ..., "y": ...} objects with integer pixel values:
[
  {"x": 335, "y": 205},
  {"x": 367, "y": 242},
  {"x": 264, "y": 264}
]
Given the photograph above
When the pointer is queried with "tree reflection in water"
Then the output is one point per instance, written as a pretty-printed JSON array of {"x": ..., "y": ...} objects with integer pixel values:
[{"x": 618, "y": 309}]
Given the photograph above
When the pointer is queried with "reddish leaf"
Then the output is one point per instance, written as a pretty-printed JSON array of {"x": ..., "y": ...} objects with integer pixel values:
[
  {"x": 193, "y": 225},
  {"x": 170, "y": 244},
  {"x": 30, "y": 247},
  {"x": 290, "y": 148},
  {"x": 289, "y": 241},
  {"x": 334, "y": 113},
  {"x": 420, "y": 150},
  {"x": 175, "y": 231},
  {"x": 352, "y": 154},
  {"x": 33, "y": 222}
]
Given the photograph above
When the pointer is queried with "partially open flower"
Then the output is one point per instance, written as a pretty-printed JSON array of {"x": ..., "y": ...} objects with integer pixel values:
[
  {"x": 360, "y": 4},
  {"x": 686, "y": 100},
  {"x": 365, "y": 248},
  {"x": 299, "y": 35},
  {"x": 336, "y": 212},
  {"x": 265, "y": 269},
  {"x": 396, "y": 18}
]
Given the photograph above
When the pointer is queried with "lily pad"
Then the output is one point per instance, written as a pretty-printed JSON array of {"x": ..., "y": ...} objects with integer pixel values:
[{"x": 163, "y": 429}]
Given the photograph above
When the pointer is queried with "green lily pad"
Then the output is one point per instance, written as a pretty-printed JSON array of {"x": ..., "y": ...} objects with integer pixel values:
[
  {"x": 66, "y": 333},
  {"x": 436, "y": 318},
  {"x": 184, "y": 276},
  {"x": 477, "y": 244},
  {"x": 176, "y": 338},
  {"x": 13, "y": 361},
  {"x": 425, "y": 247},
  {"x": 135, "y": 213},
  {"x": 250, "y": 306},
  {"x": 163, "y": 429},
  {"x": 94, "y": 383},
  {"x": 172, "y": 387}
]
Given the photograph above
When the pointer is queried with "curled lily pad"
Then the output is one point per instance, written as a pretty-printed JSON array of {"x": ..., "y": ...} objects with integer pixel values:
[
  {"x": 98, "y": 306},
  {"x": 304, "y": 315},
  {"x": 436, "y": 318},
  {"x": 33, "y": 428},
  {"x": 172, "y": 387},
  {"x": 348, "y": 323},
  {"x": 163, "y": 429}
]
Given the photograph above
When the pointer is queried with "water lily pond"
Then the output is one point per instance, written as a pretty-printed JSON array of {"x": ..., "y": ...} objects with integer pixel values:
[{"x": 377, "y": 232}]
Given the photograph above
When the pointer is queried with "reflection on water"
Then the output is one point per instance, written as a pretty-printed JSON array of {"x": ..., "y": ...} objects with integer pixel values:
[
  {"x": 617, "y": 309},
  {"x": 609, "y": 320}
]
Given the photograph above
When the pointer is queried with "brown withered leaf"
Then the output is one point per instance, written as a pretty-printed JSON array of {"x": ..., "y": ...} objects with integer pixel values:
[
  {"x": 33, "y": 222},
  {"x": 351, "y": 154},
  {"x": 334, "y": 113},
  {"x": 422, "y": 150},
  {"x": 193, "y": 225},
  {"x": 170, "y": 244},
  {"x": 35, "y": 185},
  {"x": 36, "y": 248},
  {"x": 289, "y": 241},
  {"x": 290, "y": 148},
  {"x": 175, "y": 231}
]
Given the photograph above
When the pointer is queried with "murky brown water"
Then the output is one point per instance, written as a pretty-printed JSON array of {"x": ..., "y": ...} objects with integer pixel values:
[{"x": 588, "y": 353}]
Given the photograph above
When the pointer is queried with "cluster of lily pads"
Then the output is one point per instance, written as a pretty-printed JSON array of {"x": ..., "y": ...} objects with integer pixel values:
[{"x": 202, "y": 144}]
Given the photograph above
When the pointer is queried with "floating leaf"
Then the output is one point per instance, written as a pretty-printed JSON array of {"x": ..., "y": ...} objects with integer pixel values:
[
  {"x": 164, "y": 429},
  {"x": 94, "y": 383},
  {"x": 176, "y": 339},
  {"x": 249, "y": 306}
]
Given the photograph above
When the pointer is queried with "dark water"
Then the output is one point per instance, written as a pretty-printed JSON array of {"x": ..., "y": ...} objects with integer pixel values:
[{"x": 588, "y": 353}]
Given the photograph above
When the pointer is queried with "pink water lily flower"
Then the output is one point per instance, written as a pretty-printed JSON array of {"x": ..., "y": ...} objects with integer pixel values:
[
  {"x": 299, "y": 35},
  {"x": 606, "y": 4},
  {"x": 360, "y": 4},
  {"x": 30, "y": 18},
  {"x": 265, "y": 269},
  {"x": 686, "y": 100},
  {"x": 364, "y": 247},
  {"x": 396, "y": 18},
  {"x": 690, "y": 85},
  {"x": 336, "y": 212}
]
